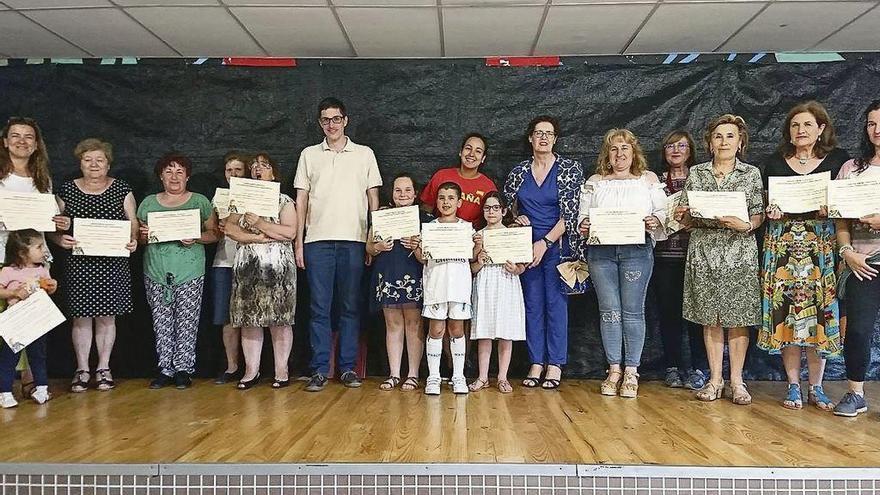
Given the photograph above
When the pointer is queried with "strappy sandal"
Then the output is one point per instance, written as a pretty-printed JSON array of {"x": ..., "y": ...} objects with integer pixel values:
[
  {"x": 551, "y": 383},
  {"x": 390, "y": 383},
  {"x": 411, "y": 383},
  {"x": 104, "y": 379},
  {"x": 611, "y": 384},
  {"x": 629, "y": 386},
  {"x": 505, "y": 387},
  {"x": 533, "y": 381},
  {"x": 710, "y": 391},
  {"x": 793, "y": 400},
  {"x": 80, "y": 381},
  {"x": 478, "y": 384},
  {"x": 817, "y": 397},
  {"x": 740, "y": 394}
]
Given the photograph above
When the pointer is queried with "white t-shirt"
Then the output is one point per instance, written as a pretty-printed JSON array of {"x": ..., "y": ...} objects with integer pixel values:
[
  {"x": 16, "y": 183},
  {"x": 446, "y": 281}
]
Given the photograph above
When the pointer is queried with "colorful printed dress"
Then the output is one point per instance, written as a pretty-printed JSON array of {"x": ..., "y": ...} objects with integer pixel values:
[{"x": 799, "y": 303}]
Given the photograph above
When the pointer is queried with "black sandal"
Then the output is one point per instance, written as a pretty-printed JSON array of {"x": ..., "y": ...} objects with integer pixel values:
[
  {"x": 411, "y": 382},
  {"x": 246, "y": 384},
  {"x": 390, "y": 383},
  {"x": 552, "y": 383},
  {"x": 102, "y": 382},
  {"x": 79, "y": 384},
  {"x": 533, "y": 381},
  {"x": 280, "y": 383}
]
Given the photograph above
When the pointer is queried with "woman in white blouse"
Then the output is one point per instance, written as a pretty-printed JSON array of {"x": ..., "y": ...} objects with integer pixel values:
[{"x": 621, "y": 272}]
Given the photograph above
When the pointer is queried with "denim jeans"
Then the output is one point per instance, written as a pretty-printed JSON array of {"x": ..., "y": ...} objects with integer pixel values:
[
  {"x": 36, "y": 353},
  {"x": 620, "y": 275},
  {"x": 334, "y": 270}
]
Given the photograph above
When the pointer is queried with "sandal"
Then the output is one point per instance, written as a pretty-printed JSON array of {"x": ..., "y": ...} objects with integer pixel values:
[
  {"x": 104, "y": 380},
  {"x": 276, "y": 383},
  {"x": 611, "y": 383},
  {"x": 629, "y": 386},
  {"x": 552, "y": 383},
  {"x": 710, "y": 392},
  {"x": 505, "y": 387},
  {"x": 478, "y": 384},
  {"x": 740, "y": 394},
  {"x": 793, "y": 400},
  {"x": 390, "y": 383},
  {"x": 80, "y": 381},
  {"x": 817, "y": 397},
  {"x": 411, "y": 383},
  {"x": 533, "y": 381}
]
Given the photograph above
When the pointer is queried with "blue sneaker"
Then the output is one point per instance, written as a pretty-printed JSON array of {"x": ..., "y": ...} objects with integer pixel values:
[
  {"x": 673, "y": 378},
  {"x": 850, "y": 405},
  {"x": 695, "y": 380}
]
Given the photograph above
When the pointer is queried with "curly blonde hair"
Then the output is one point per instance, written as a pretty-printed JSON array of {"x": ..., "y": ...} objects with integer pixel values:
[{"x": 603, "y": 163}]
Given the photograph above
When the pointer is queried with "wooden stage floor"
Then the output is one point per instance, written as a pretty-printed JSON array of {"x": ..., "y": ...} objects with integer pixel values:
[{"x": 575, "y": 425}]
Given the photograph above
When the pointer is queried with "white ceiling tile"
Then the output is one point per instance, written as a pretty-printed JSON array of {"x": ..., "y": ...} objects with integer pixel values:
[
  {"x": 295, "y": 31},
  {"x": 21, "y": 38},
  {"x": 469, "y": 32},
  {"x": 691, "y": 27},
  {"x": 42, "y": 4},
  {"x": 197, "y": 31},
  {"x": 860, "y": 35},
  {"x": 392, "y": 32},
  {"x": 103, "y": 32},
  {"x": 385, "y": 3},
  {"x": 274, "y": 3},
  {"x": 600, "y": 2},
  {"x": 164, "y": 3},
  {"x": 590, "y": 29},
  {"x": 794, "y": 26},
  {"x": 484, "y": 3}
]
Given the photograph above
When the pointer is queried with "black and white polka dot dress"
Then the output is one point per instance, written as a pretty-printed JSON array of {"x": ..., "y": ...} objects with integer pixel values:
[{"x": 96, "y": 285}]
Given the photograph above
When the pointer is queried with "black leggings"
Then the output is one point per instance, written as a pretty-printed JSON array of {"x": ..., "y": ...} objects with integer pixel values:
[
  {"x": 862, "y": 303},
  {"x": 668, "y": 285}
]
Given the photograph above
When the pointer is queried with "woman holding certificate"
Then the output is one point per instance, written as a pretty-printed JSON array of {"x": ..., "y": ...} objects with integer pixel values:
[
  {"x": 175, "y": 225},
  {"x": 800, "y": 310},
  {"x": 97, "y": 288},
  {"x": 723, "y": 203},
  {"x": 264, "y": 278},
  {"x": 621, "y": 255},
  {"x": 858, "y": 235},
  {"x": 543, "y": 192}
]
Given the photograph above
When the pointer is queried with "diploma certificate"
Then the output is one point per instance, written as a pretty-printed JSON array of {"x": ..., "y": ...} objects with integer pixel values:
[
  {"x": 95, "y": 237},
  {"x": 221, "y": 202},
  {"x": 447, "y": 241},
  {"x": 254, "y": 196},
  {"x": 396, "y": 223},
  {"x": 713, "y": 204},
  {"x": 800, "y": 193},
  {"x": 853, "y": 198},
  {"x": 672, "y": 226},
  {"x": 28, "y": 320},
  {"x": 24, "y": 210},
  {"x": 613, "y": 226},
  {"x": 512, "y": 244},
  {"x": 173, "y": 225}
]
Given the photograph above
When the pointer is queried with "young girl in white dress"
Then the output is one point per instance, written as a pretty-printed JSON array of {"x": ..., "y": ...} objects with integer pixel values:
[{"x": 499, "y": 311}]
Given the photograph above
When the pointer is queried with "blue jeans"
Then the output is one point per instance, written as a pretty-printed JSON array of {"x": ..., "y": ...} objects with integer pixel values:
[
  {"x": 334, "y": 270},
  {"x": 620, "y": 275},
  {"x": 36, "y": 353}
]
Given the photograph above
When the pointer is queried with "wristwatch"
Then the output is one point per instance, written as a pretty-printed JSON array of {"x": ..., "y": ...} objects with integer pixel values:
[
  {"x": 548, "y": 242},
  {"x": 844, "y": 248}
]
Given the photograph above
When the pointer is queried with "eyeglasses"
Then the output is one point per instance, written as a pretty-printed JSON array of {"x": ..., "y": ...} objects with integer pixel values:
[
  {"x": 492, "y": 208},
  {"x": 674, "y": 146},
  {"x": 543, "y": 134},
  {"x": 336, "y": 119},
  {"x": 261, "y": 164}
]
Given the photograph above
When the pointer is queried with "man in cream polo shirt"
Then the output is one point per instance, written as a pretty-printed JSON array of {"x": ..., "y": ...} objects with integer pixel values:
[{"x": 336, "y": 185}]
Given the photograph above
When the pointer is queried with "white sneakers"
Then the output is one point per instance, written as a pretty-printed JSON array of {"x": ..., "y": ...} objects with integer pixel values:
[
  {"x": 7, "y": 400},
  {"x": 40, "y": 395},
  {"x": 459, "y": 385}
]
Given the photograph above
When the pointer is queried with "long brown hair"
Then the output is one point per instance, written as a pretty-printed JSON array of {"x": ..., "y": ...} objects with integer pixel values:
[
  {"x": 827, "y": 139},
  {"x": 38, "y": 163}
]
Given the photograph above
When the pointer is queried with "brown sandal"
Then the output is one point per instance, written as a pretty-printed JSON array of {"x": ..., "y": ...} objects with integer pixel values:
[
  {"x": 390, "y": 383},
  {"x": 740, "y": 394},
  {"x": 478, "y": 384},
  {"x": 411, "y": 383},
  {"x": 710, "y": 392},
  {"x": 504, "y": 387}
]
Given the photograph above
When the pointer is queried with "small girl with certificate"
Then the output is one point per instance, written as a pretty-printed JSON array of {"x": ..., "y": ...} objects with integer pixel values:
[
  {"x": 447, "y": 299},
  {"x": 397, "y": 285},
  {"x": 24, "y": 274},
  {"x": 499, "y": 310}
]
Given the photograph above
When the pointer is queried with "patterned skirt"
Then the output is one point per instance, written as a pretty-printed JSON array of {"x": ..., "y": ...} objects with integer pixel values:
[
  {"x": 263, "y": 285},
  {"x": 799, "y": 296}
]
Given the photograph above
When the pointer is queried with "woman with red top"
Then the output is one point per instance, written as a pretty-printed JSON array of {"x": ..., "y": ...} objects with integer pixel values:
[{"x": 474, "y": 185}]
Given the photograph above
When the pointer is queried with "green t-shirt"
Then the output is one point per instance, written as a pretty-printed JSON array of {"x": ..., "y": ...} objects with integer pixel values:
[{"x": 184, "y": 263}]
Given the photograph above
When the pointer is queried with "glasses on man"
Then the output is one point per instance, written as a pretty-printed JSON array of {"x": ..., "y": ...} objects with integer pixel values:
[
  {"x": 336, "y": 119},
  {"x": 543, "y": 134},
  {"x": 676, "y": 146},
  {"x": 492, "y": 208}
]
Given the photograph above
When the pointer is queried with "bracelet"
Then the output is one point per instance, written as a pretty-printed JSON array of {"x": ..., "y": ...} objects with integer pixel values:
[{"x": 844, "y": 248}]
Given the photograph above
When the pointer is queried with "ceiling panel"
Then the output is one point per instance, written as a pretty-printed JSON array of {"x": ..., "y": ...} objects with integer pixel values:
[
  {"x": 103, "y": 32},
  {"x": 21, "y": 38},
  {"x": 383, "y": 3},
  {"x": 483, "y": 3},
  {"x": 862, "y": 34},
  {"x": 691, "y": 28},
  {"x": 42, "y": 4},
  {"x": 472, "y": 32},
  {"x": 392, "y": 32},
  {"x": 162, "y": 3},
  {"x": 295, "y": 31},
  {"x": 289, "y": 3},
  {"x": 599, "y": 29},
  {"x": 198, "y": 31},
  {"x": 794, "y": 25}
]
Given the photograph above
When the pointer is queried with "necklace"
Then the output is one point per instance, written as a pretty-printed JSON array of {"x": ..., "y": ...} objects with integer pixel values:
[
  {"x": 718, "y": 174},
  {"x": 803, "y": 161}
]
